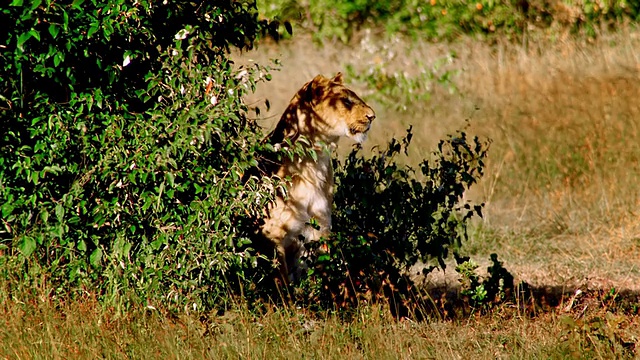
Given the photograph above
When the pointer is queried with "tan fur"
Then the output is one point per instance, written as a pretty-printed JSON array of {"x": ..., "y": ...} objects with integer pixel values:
[{"x": 322, "y": 111}]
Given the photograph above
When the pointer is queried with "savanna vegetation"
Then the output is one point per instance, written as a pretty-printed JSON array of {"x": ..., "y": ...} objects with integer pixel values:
[{"x": 127, "y": 231}]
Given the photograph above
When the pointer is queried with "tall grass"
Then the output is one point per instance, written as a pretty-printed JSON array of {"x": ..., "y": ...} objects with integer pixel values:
[
  {"x": 84, "y": 329},
  {"x": 561, "y": 183},
  {"x": 562, "y": 186}
]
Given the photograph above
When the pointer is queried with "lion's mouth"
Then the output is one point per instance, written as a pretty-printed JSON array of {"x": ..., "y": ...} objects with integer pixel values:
[
  {"x": 359, "y": 128},
  {"x": 358, "y": 132}
]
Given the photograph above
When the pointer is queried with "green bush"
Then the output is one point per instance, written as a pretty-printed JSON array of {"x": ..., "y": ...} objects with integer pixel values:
[
  {"x": 447, "y": 19},
  {"x": 388, "y": 219},
  {"x": 125, "y": 147},
  {"x": 401, "y": 91},
  {"x": 497, "y": 287},
  {"x": 124, "y": 139}
]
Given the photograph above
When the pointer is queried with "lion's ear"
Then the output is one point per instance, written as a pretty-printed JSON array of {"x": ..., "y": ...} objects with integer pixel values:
[
  {"x": 315, "y": 88},
  {"x": 319, "y": 79},
  {"x": 337, "y": 78}
]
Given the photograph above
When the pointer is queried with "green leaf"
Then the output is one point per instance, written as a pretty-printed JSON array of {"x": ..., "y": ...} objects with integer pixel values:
[
  {"x": 92, "y": 30},
  {"x": 54, "y": 30},
  {"x": 16, "y": 3},
  {"x": 313, "y": 154},
  {"x": 35, "y": 176},
  {"x": 58, "y": 231},
  {"x": 44, "y": 215},
  {"x": 95, "y": 257},
  {"x": 59, "y": 212},
  {"x": 107, "y": 29},
  {"x": 7, "y": 209},
  {"x": 171, "y": 178},
  {"x": 65, "y": 23},
  {"x": 82, "y": 246},
  {"x": 126, "y": 249},
  {"x": 35, "y": 34},
  {"x": 324, "y": 257},
  {"x": 40, "y": 145},
  {"x": 22, "y": 39},
  {"x": 52, "y": 169},
  {"x": 99, "y": 99},
  {"x": 35, "y": 4},
  {"x": 27, "y": 245},
  {"x": 76, "y": 4}
]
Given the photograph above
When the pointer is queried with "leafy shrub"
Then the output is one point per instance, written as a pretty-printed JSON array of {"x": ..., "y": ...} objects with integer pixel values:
[
  {"x": 125, "y": 140},
  {"x": 437, "y": 19},
  {"x": 398, "y": 89},
  {"x": 387, "y": 219},
  {"x": 471, "y": 283},
  {"x": 498, "y": 287}
]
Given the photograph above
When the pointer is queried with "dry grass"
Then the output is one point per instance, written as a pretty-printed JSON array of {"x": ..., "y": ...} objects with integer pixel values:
[
  {"x": 561, "y": 184},
  {"x": 83, "y": 329}
]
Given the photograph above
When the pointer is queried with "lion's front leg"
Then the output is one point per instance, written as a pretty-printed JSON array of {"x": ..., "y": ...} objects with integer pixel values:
[{"x": 317, "y": 228}]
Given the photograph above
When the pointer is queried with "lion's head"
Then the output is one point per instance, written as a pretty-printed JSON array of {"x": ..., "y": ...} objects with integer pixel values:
[{"x": 328, "y": 110}]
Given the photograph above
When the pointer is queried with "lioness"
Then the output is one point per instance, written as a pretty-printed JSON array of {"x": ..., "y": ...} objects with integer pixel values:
[{"x": 322, "y": 111}]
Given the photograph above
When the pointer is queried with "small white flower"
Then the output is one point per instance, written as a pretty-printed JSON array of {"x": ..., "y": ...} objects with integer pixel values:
[
  {"x": 182, "y": 91},
  {"x": 242, "y": 75},
  {"x": 182, "y": 34},
  {"x": 230, "y": 91},
  {"x": 214, "y": 100},
  {"x": 126, "y": 61}
]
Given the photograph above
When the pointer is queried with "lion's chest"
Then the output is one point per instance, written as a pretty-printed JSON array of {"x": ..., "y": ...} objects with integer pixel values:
[
  {"x": 309, "y": 195},
  {"x": 311, "y": 188}
]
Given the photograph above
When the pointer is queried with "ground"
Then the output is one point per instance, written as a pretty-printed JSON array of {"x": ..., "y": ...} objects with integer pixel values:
[
  {"x": 560, "y": 190},
  {"x": 561, "y": 212}
]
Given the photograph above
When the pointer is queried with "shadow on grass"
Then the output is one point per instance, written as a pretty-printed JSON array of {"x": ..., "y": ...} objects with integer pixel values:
[{"x": 450, "y": 303}]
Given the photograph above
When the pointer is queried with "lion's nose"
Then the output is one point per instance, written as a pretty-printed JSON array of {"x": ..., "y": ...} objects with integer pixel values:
[{"x": 371, "y": 116}]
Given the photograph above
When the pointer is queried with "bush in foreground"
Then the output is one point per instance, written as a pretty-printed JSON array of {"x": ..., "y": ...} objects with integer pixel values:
[
  {"x": 121, "y": 166},
  {"x": 126, "y": 136},
  {"x": 388, "y": 219}
]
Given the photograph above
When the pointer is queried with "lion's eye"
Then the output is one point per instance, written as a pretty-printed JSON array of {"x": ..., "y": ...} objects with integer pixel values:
[{"x": 347, "y": 102}]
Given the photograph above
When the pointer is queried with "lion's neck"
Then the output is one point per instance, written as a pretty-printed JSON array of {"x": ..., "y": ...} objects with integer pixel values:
[{"x": 300, "y": 119}]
